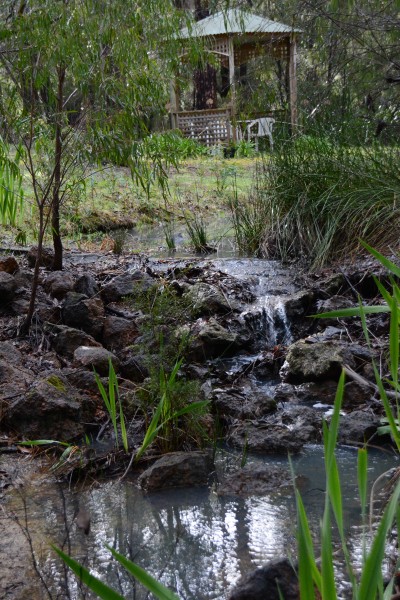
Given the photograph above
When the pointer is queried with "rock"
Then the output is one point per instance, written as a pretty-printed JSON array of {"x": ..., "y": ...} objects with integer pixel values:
[
  {"x": 58, "y": 284},
  {"x": 256, "y": 480},
  {"x": 87, "y": 285},
  {"x": 95, "y": 358},
  {"x": 300, "y": 303},
  {"x": 178, "y": 469},
  {"x": 207, "y": 299},
  {"x": 65, "y": 340},
  {"x": 126, "y": 285},
  {"x": 275, "y": 581},
  {"x": 358, "y": 427},
  {"x": 313, "y": 362},
  {"x": 8, "y": 287},
  {"x": 9, "y": 265},
  {"x": 242, "y": 403},
  {"x": 134, "y": 369},
  {"x": 84, "y": 313},
  {"x": 50, "y": 410},
  {"x": 208, "y": 339},
  {"x": 23, "y": 279},
  {"x": 46, "y": 258},
  {"x": 281, "y": 432},
  {"x": 119, "y": 332}
]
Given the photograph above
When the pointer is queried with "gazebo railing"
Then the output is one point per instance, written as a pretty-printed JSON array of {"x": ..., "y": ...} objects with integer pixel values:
[{"x": 209, "y": 127}]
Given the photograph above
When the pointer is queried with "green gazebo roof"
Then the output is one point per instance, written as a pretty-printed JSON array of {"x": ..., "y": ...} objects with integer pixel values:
[{"x": 234, "y": 21}]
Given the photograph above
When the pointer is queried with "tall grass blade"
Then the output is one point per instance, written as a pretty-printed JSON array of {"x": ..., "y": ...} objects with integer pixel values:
[
  {"x": 154, "y": 586},
  {"x": 152, "y": 429},
  {"x": 390, "y": 266},
  {"x": 372, "y": 573},
  {"x": 327, "y": 572},
  {"x": 362, "y": 478},
  {"x": 102, "y": 590},
  {"x": 308, "y": 570}
]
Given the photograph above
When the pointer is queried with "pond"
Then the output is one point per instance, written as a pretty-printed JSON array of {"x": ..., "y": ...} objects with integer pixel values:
[{"x": 194, "y": 540}]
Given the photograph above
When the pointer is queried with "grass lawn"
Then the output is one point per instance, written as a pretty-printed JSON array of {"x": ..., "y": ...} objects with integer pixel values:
[{"x": 108, "y": 199}]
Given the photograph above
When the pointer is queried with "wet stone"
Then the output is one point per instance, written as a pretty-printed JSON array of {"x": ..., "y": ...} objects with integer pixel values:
[{"x": 178, "y": 469}]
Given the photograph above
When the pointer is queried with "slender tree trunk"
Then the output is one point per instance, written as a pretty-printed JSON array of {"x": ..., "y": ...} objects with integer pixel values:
[{"x": 55, "y": 214}]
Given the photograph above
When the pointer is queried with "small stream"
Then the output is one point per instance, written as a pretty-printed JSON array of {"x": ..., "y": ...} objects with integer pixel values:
[{"x": 195, "y": 541}]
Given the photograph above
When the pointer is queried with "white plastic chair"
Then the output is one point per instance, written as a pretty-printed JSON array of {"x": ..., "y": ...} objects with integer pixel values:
[{"x": 264, "y": 126}]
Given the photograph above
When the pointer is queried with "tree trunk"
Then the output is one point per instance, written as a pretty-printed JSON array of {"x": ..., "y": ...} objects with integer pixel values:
[{"x": 55, "y": 209}]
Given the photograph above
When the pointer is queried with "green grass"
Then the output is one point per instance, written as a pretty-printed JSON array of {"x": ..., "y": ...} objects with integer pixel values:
[{"x": 109, "y": 198}]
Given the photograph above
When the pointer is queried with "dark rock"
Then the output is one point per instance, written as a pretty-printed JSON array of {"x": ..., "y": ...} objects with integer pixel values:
[
  {"x": 46, "y": 258},
  {"x": 84, "y": 313},
  {"x": 119, "y": 332},
  {"x": 178, "y": 469},
  {"x": 8, "y": 287},
  {"x": 65, "y": 340},
  {"x": 23, "y": 279},
  {"x": 81, "y": 379},
  {"x": 95, "y": 358},
  {"x": 358, "y": 427},
  {"x": 300, "y": 303},
  {"x": 242, "y": 403},
  {"x": 58, "y": 284},
  {"x": 50, "y": 410},
  {"x": 126, "y": 285},
  {"x": 87, "y": 285},
  {"x": 257, "y": 480},
  {"x": 9, "y": 265},
  {"x": 275, "y": 581},
  {"x": 207, "y": 299},
  {"x": 134, "y": 369},
  {"x": 280, "y": 432}
]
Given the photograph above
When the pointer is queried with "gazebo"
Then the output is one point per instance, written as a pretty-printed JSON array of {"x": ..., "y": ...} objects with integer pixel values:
[{"x": 234, "y": 37}]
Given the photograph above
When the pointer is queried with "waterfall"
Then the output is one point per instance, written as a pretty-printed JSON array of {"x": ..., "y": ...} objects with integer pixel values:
[{"x": 269, "y": 321}]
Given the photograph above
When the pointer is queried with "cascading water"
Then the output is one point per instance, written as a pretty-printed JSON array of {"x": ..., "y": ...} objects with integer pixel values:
[{"x": 269, "y": 322}]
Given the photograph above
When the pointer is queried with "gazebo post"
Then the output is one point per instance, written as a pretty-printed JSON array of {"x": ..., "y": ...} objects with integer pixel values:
[
  {"x": 174, "y": 102},
  {"x": 232, "y": 86},
  {"x": 293, "y": 81}
]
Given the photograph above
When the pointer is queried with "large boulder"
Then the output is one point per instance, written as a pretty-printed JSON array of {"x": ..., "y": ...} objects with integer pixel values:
[
  {"x": 52, "y": 409},
  {"x": 84, "y": 313},
  {"x": 358, "y": 427},
  {"x": 178, "y": 469},
  {"x": 275, "y": 581},
  {"x": 207, "y": 299},
  {"x": 95, "y": 358},
  {"x": 125, "y": 285}
]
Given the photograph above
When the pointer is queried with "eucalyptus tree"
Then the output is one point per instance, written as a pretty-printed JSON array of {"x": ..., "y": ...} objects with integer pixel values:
[{"x": 79, "y": 81}]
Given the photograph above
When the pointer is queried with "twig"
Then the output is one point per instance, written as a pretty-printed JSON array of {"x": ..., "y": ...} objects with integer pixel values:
[{"x": 362, "y": 381}]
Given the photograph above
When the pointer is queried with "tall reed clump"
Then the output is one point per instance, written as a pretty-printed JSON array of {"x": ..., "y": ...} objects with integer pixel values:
[{"x": 318, "y": 198}]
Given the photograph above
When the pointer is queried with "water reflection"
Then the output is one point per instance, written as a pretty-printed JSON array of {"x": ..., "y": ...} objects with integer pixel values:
[{"x": 199, "y": 544}]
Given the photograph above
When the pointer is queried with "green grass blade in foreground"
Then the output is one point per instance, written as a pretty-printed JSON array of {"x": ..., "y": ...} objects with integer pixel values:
[
  {"x": 390, "y": 266},
  {"x": 362, "y": 478},
  {"x": 154, "y": 586},
  {"x": 327, "y": 572},
  {"x": 152, "y": 429},
  {"x": 372, "y": 572},
  {"x": 42, "y": 443},
  {"x": 353, "y": 312},
  {"x": 394, "y": 342},
  {"x": 98, "y": 587},
  {"x": 308, "y": 570}
]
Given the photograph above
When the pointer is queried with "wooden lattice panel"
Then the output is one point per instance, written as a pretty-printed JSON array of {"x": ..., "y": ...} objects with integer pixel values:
[
  {"x": 220, "y": 44},
  {"x": 208, "y": 127}
]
